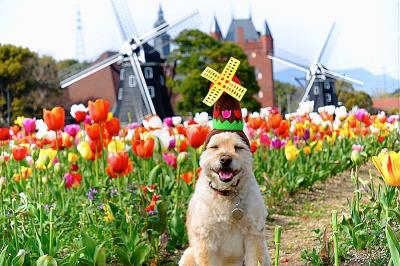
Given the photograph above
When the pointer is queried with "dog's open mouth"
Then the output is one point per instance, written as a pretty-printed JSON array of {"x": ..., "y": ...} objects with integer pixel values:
[{"x": 226, "y": 175}]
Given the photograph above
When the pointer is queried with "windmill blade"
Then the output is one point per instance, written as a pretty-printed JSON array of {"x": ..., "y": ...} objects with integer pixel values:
[
  {"x": 90, "y": 70},
  {"x": 342, "y": 77},
  {"x": 192, "y": 17},
  {"x": 124, "y": 19},
  {"x": 288, "y": 63},
  {"x": 309, "y": 86},
  {"x": 321, "y": 52},
  {"x": 142, "y": 83}
]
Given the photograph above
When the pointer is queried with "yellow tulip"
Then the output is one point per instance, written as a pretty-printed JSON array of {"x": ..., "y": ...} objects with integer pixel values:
[
  {"x": 291, "y": 151},
  {"x": 46, "y": 157},
  {"x": 19, "y": 120},
  {"x": 388, "y": 164},
  {"x": 84, "y": 149},
  {"x": 115, "y": 146},
  {"x": 72, "y": 157},
  {"x": 317, "y": 145}
]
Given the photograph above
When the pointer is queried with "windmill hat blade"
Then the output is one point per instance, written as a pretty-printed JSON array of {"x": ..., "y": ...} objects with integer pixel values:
[
  {"x": 194, "y": 15},
  {"x": 90, "y": 70},
  {"x": 342, "y": 77}
]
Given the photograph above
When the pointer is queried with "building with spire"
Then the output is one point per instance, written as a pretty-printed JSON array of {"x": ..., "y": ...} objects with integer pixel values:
[
  {"x": 257, "y": 45},
  {"x": 162, "y": 43}
]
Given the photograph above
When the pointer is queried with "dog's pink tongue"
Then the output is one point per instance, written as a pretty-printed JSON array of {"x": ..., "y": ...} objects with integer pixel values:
[{"x": 225, "y": 175}]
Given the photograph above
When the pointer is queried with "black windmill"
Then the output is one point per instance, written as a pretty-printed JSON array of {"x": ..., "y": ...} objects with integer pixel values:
[
  {"x": 320, "y": 81},
  {"x": 142, "y": 89}
]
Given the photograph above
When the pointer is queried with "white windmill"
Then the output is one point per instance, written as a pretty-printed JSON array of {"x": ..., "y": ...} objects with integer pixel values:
[
  {"x": 133, "y": 97},
  {"x": 320, "y": 81}
]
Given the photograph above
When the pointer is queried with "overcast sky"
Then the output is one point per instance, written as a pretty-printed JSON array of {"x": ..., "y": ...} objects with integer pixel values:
[{"x": 366, "y": 35}]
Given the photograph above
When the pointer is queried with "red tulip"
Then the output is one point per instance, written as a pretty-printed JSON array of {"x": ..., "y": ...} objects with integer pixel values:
[
  {"x": 153, "y": 203},
  {"x": 80, "y": 116},
  {"x": 197, "y": 135},
  {"x": 98, "y": 110},
  {"x": 113, "y": 126},
  {"x": 54, "y": 119},
  {"x": 72, "y": 180},
  {"x": 143, "y": 149},
  {"x": 19, "y": 152},
  {"x": 4, "y": 133},
  {"x": 119, "y": 164}
]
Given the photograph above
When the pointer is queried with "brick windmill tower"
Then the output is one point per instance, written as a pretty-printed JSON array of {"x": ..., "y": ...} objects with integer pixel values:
[{"x": 257, "y": 45}]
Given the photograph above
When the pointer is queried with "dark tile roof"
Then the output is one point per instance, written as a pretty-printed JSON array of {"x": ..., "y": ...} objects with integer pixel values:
[
  {"x": 250, "y": 32},
  {"x": 267, "y": 30},
  {"x": 215, "y": 26}
]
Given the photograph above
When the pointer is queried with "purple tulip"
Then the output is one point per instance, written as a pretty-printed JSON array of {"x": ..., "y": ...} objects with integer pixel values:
[
  {"x": 29, "y": 125},
  {"x": 276, "y": 143},
  {"x": 172, "y": 143},
  {"x": 306, "y": 134},
  {"x": 72, "y": 129}
]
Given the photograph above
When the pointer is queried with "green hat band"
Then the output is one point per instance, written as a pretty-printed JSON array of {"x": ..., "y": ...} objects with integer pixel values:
[{"x": 236, "y": 125}]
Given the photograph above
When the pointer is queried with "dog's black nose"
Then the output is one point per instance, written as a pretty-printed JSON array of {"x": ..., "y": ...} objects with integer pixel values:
[{"x": 225, "y": 160}]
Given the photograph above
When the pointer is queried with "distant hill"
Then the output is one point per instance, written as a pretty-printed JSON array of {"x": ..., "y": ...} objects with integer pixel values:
[{"x": 373, "y": 84}]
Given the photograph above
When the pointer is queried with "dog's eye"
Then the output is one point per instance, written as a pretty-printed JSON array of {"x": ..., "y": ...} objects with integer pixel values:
[
  {"x": 238, "y": 148},
  {"x": 213, "y": 147}
]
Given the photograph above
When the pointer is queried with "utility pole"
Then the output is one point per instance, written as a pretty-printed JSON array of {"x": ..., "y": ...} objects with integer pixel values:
[{"x": 8, "y": 106}]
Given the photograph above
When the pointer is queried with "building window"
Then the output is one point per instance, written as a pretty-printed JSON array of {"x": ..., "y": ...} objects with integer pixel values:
[
  {"x": 148, "y": 72},
  {"x": 151, "y": 91},
  {"x": 327, "y": 85},
  {"x": 120, "y": 94},
  {"x": 132, "y": 81},
  {"x": 253, "y": 54},
  {"x": 328, "y": 97},
  {"x": 258, "y": 74},
  {"x": 122, "y": 74},
  {"x": 316, "y": 90},
  {"x": 260, "y": 94},
  {"x": 161, "y": 80}
]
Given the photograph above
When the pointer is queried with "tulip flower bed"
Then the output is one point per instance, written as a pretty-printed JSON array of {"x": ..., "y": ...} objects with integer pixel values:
[{"x": 100, "y": 193}]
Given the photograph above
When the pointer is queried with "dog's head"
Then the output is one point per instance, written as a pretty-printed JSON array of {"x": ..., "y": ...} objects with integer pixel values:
[{"x": 226, "y": 160}]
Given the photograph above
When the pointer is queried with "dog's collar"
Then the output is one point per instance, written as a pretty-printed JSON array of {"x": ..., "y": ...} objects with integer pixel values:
[{"x": 226, "y": 192}]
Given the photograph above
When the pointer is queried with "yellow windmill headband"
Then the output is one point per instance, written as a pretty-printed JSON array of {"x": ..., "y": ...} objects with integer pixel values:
[{"x": 223, "y": 83}]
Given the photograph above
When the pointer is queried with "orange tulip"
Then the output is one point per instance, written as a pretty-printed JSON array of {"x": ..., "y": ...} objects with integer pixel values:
[
  {"x": 4, "y": 133},
  {"x": 255, "y": 122},
  {"x": 187, "y": 177},
  {"x": 197, "y": 135},
  {"x": 119, "y": 164},
  {"x": 98, "y": 110},
  {"x": 274, "y": 120},
  {"x": 54, "y": 119},
  {"x": 93, "y": 131},
  {"x": 143, "y": 148},
  {"x": 19, "y": 152}
]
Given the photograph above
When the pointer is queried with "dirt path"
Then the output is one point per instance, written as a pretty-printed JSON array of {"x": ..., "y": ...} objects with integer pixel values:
[{"x": 310, "y": 209}]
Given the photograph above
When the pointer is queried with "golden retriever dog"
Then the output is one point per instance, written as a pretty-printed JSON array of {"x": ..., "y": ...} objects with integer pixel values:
[{"x": 226, "y": 214}]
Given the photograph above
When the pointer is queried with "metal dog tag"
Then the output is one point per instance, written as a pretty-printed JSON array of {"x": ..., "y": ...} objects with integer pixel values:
[{"x": 237, "y": 213}]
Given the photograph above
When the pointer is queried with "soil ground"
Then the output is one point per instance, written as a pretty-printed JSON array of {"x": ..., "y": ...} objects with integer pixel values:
[{"x": 311, "y": 209}]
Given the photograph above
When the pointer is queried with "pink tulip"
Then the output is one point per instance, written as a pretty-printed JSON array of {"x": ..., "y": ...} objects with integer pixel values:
[
  {"x": 29, "y": 125},
  {"x": 72, "y": 130},
  {"x": 170, "y": 159}
]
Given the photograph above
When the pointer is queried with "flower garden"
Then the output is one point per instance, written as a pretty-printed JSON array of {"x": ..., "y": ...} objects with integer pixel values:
[{"x": 100, "y": 193}]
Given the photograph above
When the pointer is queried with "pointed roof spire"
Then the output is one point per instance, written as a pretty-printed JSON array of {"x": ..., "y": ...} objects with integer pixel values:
[
  {"x": 160, "y": 20},
  {"x": 267, "y": 30},
  {"x": 215, "y": 26},
  {"x": 250, "y": 15}
]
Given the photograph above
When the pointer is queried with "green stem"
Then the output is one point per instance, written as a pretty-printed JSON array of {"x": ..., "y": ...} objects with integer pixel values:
[
  {"x": 278, "y": 232},
  {"x": 15, "y": 225},
  {"x": 335, "y": 237},
  {"x": 51, "y": 233}
]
